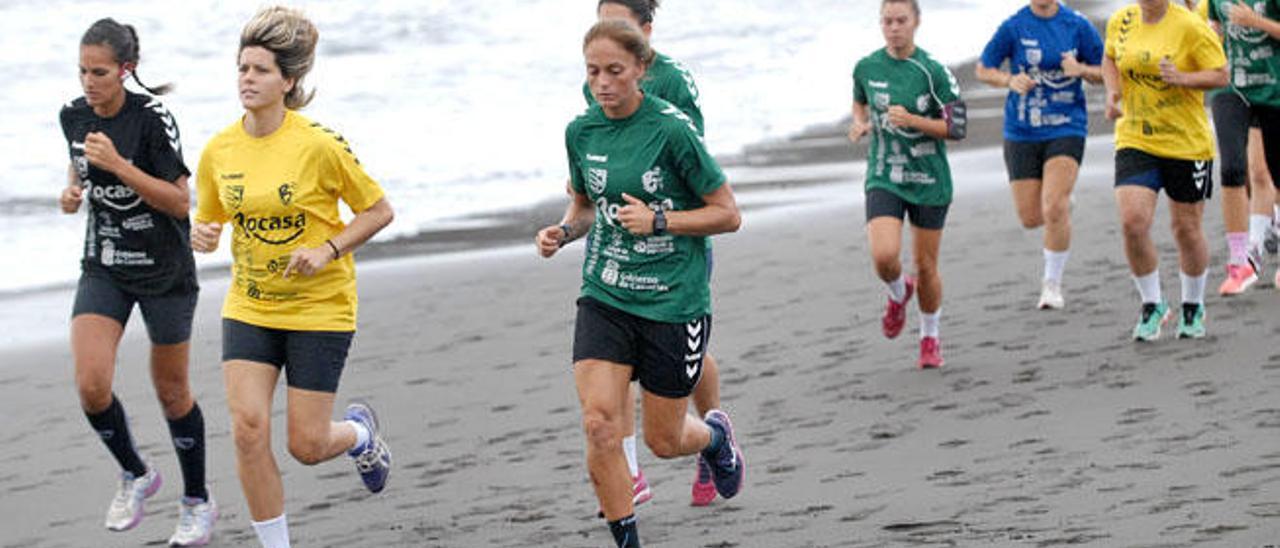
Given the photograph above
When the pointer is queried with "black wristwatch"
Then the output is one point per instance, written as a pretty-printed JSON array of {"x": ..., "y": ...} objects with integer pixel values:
[{"x": 659, "y": 221}]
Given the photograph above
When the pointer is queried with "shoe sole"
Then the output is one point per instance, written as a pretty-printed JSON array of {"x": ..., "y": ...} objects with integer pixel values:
[
  {"x": 377, "y": 433},
  {"x": 1243, "y": 287},
  {"x": 142, "y": 505},
  {"x": 737, "y": 453},
  {"x": 202, "y": 541}
]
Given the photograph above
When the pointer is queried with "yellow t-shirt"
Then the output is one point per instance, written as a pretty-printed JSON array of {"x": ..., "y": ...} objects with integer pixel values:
[
  {"x": 280, "y": 192},
  {"x": 1202, "y": 9},
  {"x": 1160, "y": 119}
]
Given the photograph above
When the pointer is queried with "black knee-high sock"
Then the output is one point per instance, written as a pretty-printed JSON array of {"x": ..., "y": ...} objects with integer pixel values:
[
  {"x": 113, "y": 427},
  {"x": 624, "y": 532},
  {"x": 188, "y": 440}
]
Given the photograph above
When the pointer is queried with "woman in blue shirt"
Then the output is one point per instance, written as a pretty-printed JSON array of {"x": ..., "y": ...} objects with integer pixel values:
[{"x": 1050, "y": 49}]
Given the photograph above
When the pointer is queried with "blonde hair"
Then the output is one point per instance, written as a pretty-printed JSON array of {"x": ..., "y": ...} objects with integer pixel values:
[
  {"x": 625, "y": 34},
  {"x": 291, "y": 37}
]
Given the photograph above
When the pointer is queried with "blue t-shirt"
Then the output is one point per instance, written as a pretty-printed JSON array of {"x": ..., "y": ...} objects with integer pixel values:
[{"x": 1055, "y": 108}]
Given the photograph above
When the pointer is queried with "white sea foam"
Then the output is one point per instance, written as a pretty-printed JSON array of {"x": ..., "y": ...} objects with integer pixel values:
[{"x": 457, "y": 107}]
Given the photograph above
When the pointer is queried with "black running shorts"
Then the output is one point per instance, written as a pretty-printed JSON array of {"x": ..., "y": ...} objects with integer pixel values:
[
  {"x": 167, "y": 317},
  {"x": 882, "y": 203},
  {"x": 1185, "y": 181},
  {"x": 311, "y": 360},
  {"x": 1026, "y": 160},
  {"x": 665, "y": 357}
]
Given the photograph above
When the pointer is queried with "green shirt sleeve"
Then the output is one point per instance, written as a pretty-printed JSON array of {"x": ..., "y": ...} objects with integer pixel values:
[
  {"x": 575, "y": 169},
  {"x": 859, "y": 94},
  {"x": 945, "y": 86},
  {"x": 691, "y": 161}
]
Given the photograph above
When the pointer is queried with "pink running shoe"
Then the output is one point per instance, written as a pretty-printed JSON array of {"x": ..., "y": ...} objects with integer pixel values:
[
  {"x": 704, "y": 490},
  {"x": 895, "y": 313},
  {"x": 1239, "y": 278},
  {"x": 930, "y": 353}
]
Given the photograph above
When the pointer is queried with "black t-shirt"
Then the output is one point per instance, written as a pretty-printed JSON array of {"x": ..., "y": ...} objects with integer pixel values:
[{"x": 144, "y": 250}]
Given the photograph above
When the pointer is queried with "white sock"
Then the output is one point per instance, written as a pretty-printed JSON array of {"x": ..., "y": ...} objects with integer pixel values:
[
  {"x": 273, "y": 533},
  {"x": 362, "y": 437},
  {"x": 629, "y": 447},
  {"x": 1275, "y": 214},
  {"x": 1258, "y": 226},
  {"x": 1149, "y": 287},
  {"x": 898, "y": 288},
  {"x": 1193, "y": 287},
  {"x": 1054, "y": 263},
  {"x": 929, "y": 324}
]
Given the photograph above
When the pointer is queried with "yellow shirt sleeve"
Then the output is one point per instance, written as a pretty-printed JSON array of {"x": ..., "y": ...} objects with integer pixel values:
[
  {"x": 208, "y": 204},
  {"x": 1202, "y": 9},
  {"x": 1113, "y": 28},
  {"x": 1207, "y": 51},
  {"x": 356, "y": 187}
]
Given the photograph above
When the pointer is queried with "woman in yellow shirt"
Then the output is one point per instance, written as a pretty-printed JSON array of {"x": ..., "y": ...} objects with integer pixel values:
[
  {"x": 1160, "y": 58},
  {"x": 278, "y": 177}
]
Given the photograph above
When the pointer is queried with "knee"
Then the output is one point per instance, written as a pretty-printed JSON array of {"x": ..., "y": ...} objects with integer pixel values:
[
  {"x": 1186, "y": 230},
  {"x": 885, "y": 260},
  {"x": 251, "y": 431},
  {"x": 307, "y": 449},
  {"x": 1031, "y": 217},
  {"x": 1057, "y": 214},
  {"x": 174, "y": 399},
  {"x": 95, "y": 394},
  {"x": 663, "y": 445},
  {"x": 603, "y": 432},
  {"x": 926, "y": 267},
  {"x": 1134, "y": 225}
]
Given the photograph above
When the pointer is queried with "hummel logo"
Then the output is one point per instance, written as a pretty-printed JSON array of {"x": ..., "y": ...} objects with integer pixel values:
[
  {"x": 597, "y": 158},
  {"x": 878, "y": 85}
]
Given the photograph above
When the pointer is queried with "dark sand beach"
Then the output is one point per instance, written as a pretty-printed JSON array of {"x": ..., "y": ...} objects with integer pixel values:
[{"x": 1044, "y": 428}]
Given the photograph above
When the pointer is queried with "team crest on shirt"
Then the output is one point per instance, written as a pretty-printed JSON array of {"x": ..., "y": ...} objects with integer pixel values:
[
  {"x": 598, "y": 178},
  {"x": 882, "y": 100},
  {"x": 922, "y": 103},
  {"x": 233, "y": 195},
  {"x": 1034, "y": 56},
  {"x": 652, "y": 179},
  {"x": 286, "y": 193}
]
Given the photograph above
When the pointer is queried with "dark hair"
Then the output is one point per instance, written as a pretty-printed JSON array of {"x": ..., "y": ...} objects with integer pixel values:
[
  {"x": 123, "y": 42},
  {"x": 625, "y": 34},
  {"x": 915, "y": 6},
  {"x": 642, "y": 9},
  {"x": 291, "y": 37}
]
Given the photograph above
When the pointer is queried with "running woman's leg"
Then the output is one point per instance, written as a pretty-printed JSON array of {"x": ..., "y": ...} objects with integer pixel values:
[
  {"x": 884, "y": 237},
  {"x": 602, "y": 392},
  {"x": 670, "y": 432},
  {"x": 169, "y": 374},
  {"x": 313, "y": 436},
  {"x": 1027, "y": 202},
  {"x": 1231, "y": 116},
  {"x": 640, "y": 487},
  {"x": 1136, "y": 206},
  {"x": 94, "y": 340},
  {"x": 1193, "y": 255},
  {"x": 926, "y": 243},
  {"x": 250, "y": 386},
  {"x": 1060, "y": 173},
  {"x": 1262, "y": 196}
]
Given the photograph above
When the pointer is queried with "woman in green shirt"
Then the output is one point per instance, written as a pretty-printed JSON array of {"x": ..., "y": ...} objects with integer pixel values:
[
  {"x": 669, "y": 80},
  {"x": 910, "y": 104},
  {"x": 645, "y": 187}
]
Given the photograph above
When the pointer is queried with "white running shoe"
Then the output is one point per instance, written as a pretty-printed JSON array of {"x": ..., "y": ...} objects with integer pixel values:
[
  {"x": 126, "y": 509},
  {"x": 195, "y": 522},
  {"x": 1051, "y": 296}
]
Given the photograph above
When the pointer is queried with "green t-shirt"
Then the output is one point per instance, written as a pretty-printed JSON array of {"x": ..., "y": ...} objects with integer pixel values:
[
  {"x": 903, "y": 161},
  {"x": 1251, "y": 53},
  {"x": 657, "y": 156},
  {"x": 669, "y": 80}
]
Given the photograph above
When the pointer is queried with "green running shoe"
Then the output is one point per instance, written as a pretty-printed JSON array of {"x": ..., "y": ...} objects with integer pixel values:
[
  {"x": 1191, "y": 326},
  {"x": 1153, "y": 317}
]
